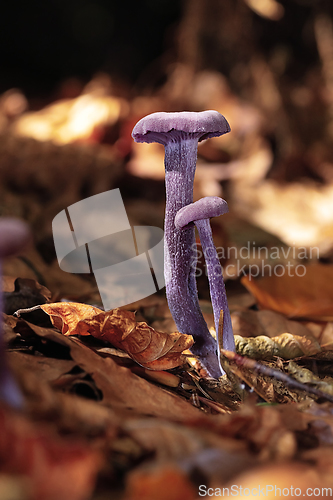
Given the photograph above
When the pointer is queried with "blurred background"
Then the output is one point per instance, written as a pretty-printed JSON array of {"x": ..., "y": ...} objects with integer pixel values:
[{"x": 77, "y": 75}]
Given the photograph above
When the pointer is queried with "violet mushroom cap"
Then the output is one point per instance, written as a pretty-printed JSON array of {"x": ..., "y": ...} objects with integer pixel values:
[
  {"x": 14, "y": 234},
  {"x": 204, "y": 124},
  {"x": 205, "y": 208},
  {"x": 199, "y": 213},
  {"x": 180, "y": 134}
]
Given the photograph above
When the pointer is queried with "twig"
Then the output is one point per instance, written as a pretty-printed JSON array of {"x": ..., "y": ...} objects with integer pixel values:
[
  {"x": 24, "y": 311},
  {"x": 251, "y": 364}
]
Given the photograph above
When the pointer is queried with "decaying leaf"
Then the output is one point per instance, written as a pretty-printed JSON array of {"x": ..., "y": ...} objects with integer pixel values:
[
  {"x": 122, "y": 390},
  {"x": 11, "y": 284},
  {"x": 286, "y": 346},
  {"x": 249, "y": 323},
  {"x": 22, "y": 293},
  {"x": 308, "y": 377},
  {"x": 322, "y": 457},
  {"x": 309, "y": 296},
  {"x": 53, "y": 468},
  {"x": 62, "y": 284},
  {"x": 266, "y": 8},
  {"x": 246, "y": 368},
  {"x": 272, "y": 478},
  {"x": 148, "y": 347},
  {"x": 165, "y": 482},
  {"x": 47, "y": 368},
  {"x": 263, "y": 427}
]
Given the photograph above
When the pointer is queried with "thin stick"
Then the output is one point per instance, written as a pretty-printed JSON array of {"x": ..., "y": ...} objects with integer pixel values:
[
  {"x": 251, "y": 364},
  {"x": 24, "y": 311}
]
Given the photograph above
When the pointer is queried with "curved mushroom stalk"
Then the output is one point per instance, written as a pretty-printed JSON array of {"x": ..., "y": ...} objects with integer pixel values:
[
  {"x": 199, "y": 213},
  {"x": 14, "y": 234},
  {"x": 180, "y": 134}
]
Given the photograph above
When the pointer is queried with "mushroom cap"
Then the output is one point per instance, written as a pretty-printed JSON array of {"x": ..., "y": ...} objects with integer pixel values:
[
  {"x": 210, "y": 206},
  {"x": 203, "y": 125},
  {"x": 14, "y": 234}
]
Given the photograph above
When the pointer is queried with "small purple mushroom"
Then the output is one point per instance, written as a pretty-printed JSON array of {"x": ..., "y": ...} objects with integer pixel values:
[
  {"x": 180, "y": 134},
  {"x": 199, "y": 213},
  {"x": 14, "y": 234}
]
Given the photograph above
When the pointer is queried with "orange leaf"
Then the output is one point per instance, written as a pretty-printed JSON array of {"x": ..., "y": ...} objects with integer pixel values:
[
  {"x": 309, "y": 296},
  {"x": 164, "y": 482},
  {"x": 54, "y": 468},
  {"x": 148, "y": 347}
]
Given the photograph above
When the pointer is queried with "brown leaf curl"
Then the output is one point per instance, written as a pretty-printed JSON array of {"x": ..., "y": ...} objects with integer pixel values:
[{"x": 148, "y": 347}]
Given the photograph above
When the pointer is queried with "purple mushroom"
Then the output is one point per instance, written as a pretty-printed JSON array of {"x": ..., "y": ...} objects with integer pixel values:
[
  {"x": 180, "y": 134},
  {"x": 14, "y": 234},
  {"x": 199, "y": 213}
]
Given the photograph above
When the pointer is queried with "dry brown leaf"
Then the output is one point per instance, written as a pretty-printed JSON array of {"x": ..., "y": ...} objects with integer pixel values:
[
  {"x": 165, "y": 482},
  {"x": 166, "y": 440},
  {"x": 266, "y": 8},
  {"x": 47, "y": 368},
  {"x": 54, "y": 468},
  {"x": 58, "y": 121},
  {"x": 72, "y": 415},
  {"x": 262, "y": 427},
  {"x": 308, "y": 377},
  {"x": 292, "y": 211},
  {"x": 21, "y": 293},
  {"x": 61, "y": 283},
  {"x": 285, "y": 346},
  {"x": 249, "y": 323},
  {"x": 309, "y": 296},
  {"x": 292, "y": 478},
  {"x": 148, "y": 347},
  {"x": 9, "y": 284},
  {"x": 322, "y": 459},
  {"x": 122, "y": 390}
]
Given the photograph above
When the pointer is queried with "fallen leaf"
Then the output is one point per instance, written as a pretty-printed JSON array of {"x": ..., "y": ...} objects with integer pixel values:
[
  {"x": 167, "y": 440},
  {"x": 122, "y": 390},
  {"x": 285, "y": 346},
  {"x": 126, "y": 391},
  {"x": 254, "y": 373},
  {"x": 58, "y": 121},
  {"x": 54, "y": 468},
  {"x": 48, "y": 368},
  {"x": 309, "y": 296},
  {"x": 10, "y": 283},
  {"x": 22, "y": 293},
  {"x": 267, "y": 8},
  {"x": 269, "y": 480},
  {"x": 165, "y": 482},
  {"x": 62, "y": 284},
  {"x": 148, "y": 347},
  {"x": 299, "y": 213},
  {"x": 308, "y": 377},
  {"x": 262, "y": 427},
  {"x": 248, "y": 323},
  {"x": 177, "y": 441},
  {"x": 9, "y": 323}
]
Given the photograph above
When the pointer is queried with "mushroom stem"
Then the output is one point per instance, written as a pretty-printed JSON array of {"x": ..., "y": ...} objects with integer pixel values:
[
  {"x": 216, "y": 284},
  {"x": 180, "y": 258}
]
